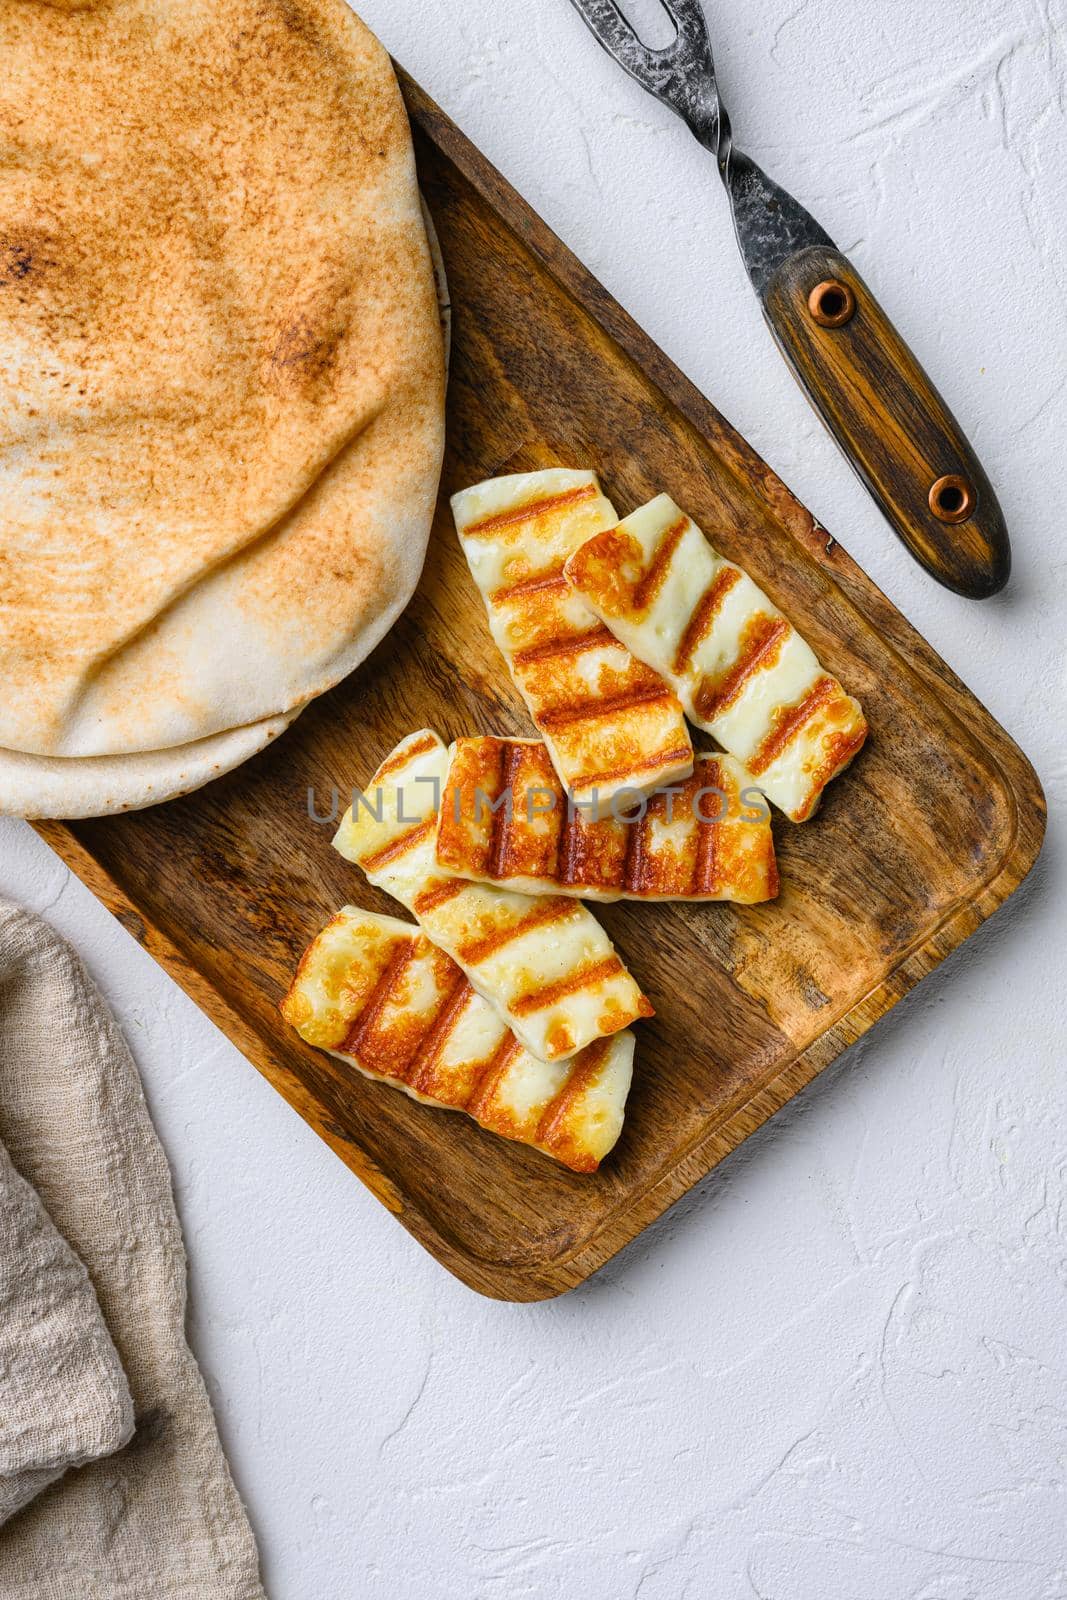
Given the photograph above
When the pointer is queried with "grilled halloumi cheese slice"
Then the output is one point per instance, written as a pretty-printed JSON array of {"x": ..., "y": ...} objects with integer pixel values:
[
  {"x": 505, "y": 819},
  {"x": 740, "y": 668},
  {"x": 546, "y": 964},
  {"x": 379, "y": 996},
  {"x": 610, "y": 723}
]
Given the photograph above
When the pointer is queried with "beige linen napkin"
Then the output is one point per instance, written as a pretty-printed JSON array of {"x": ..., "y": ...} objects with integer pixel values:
[
  {"x": 64, "y": 1399},
  {"x": 158, "y": 1519}
]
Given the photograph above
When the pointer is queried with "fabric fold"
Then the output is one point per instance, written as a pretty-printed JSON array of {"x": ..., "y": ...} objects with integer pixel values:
[
  {"x": 64, "y": 1399},
  {"x": 159, "y": 1518}
]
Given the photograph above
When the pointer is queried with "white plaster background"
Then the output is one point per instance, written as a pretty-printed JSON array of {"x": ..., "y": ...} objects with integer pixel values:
[{"x": 836, "y": 1371}]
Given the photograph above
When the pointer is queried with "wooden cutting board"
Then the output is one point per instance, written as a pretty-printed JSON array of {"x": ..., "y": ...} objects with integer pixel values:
[{"x": 935, "y": 825}]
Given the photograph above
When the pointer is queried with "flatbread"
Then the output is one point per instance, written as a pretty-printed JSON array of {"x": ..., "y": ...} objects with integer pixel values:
[
  {"x": 97, "y": 786},
  {"x": 221, "y": 375}
]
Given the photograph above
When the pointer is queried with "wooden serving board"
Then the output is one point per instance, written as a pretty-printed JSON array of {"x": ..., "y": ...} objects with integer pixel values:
[{"x": 935, "y": 825}]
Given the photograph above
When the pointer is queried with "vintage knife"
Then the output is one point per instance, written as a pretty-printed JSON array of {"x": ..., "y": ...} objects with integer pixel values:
[{"x": 858, "y": 373}]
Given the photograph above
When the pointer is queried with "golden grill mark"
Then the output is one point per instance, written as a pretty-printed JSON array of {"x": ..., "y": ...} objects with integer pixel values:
[
  {"x": 543, "y": 915},
  {"x": 571, "y": 852},
  {"x": 531, "y": 510},
  {"x": 702, "y": 860},
  {"x": 537, "y": 583},
  {"x": 338, "y": 920},
  {"x": 488, "y": 1079},
  {"x": 502, "y": 827},
  {"x": 552, "y": 1126},
  {"x": 584, "y": 977},
  {"x": 438, "y": 894},
  {"x": 770, "y": 864},
  {"x": 378, "y": 998},
  {"x": 703, "y": 615},
  {"x": 788, "y": 722},
  {"x": 651, "y": 582},
  {"x": 635, "y": 865},
  {"x": 839, "y": 749},
  {"x": 399, "y": 846},
  {"x": 760, "y": 649},
  {"x": 400, "y": 759},
  {"x": 706, "y": 877},
  {"x": 662, "y": 758},
  {"x": 566, "y": 645},
  {"x": 420, "y": 1074},
  {"x": 596, "y": 709}
]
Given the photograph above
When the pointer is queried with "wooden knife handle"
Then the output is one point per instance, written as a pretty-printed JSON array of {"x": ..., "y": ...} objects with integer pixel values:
[{"x": 889, "y": 420}]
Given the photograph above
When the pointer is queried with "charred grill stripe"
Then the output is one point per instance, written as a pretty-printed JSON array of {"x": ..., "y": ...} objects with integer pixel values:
[
  {"x": 578, "y": 863},
  {"x": 788, "y": 722},
  {"x": 635, "y": 863},
  {"x": 535, "y": 584},
  {"x": 587, "y": 1065},
  {"x": 543, "y": 915},
  {"x": 401, "y": 758},
  {"x": 438, "y": 894},
  {"x": 488, "y": 1078},
  {"x": 566, "y": 645},
  {"x": 595, "y": 710},
  {"x": 839, "y": 751},
  {"x": 772, "y": 884},
  {"x": 501, "y": 827},
  {"x": 760, "y": 650},
  {"x": 376, "y": 1001},
  {"x": 531, "y": 510},
  {"x": 420, "y": 1073},
  {"x": 662, "y": 758},
  {"x": 651, "y": 582},
  {"x": 705, "y": 865},
  {"x": 399, "y": 846},
  {"x": 702, "y": 617},
  {"x": 570, "y": 848},
  {"x": 582, "y": 978}
]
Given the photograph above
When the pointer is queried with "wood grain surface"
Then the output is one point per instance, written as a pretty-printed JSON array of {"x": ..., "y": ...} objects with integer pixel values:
[
  {"x": 933, "y": 827},
  {"x": 886, "y": 414}
]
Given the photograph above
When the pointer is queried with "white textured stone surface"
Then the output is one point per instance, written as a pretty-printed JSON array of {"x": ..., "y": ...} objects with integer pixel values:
[{"x": 837, "y": 1371}]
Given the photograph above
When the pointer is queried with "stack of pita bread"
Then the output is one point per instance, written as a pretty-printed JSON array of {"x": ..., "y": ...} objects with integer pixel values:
[{"x": 221, "y": 384}]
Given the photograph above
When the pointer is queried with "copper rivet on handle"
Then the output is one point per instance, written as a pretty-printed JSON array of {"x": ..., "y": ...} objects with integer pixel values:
[
  {"x": 831, "y": 303},
  {"x": 951, "y": 498}
]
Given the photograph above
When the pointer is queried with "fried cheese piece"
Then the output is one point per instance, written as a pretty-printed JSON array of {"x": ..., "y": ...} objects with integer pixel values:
[
  {"x": 610, "y": 723},
  {"x": 546, "y": 964},
  {"x": 505, "y": 819},
  {"x": 742, "y": 671},
  {"x": 380, "y": 997}
]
